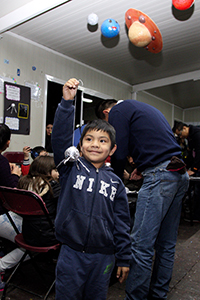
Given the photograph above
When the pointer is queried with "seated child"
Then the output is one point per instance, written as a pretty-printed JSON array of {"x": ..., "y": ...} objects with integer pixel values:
[
  {"x": 9, "y": 176},
  {"x": 35, "y": 152},
  {"x": 92, "y": 220},
  {"x": 35, "y": 229}
]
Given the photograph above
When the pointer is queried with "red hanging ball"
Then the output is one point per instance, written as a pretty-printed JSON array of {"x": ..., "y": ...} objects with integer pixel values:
[{"x": 182, "y": 4}]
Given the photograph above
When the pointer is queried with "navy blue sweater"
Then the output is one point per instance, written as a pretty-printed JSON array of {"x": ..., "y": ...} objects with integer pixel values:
[
  {"x": 142, "y": 132},
  {"x": 6, "y": 178},
  {"x": 92, "y": 211}
]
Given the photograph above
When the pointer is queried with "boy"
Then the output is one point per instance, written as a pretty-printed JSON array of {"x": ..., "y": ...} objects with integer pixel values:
[{"x": 92, "y": 221}]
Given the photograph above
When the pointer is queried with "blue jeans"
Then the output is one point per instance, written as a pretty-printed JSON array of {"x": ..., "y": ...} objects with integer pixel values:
[{"x": 156, "y": 224}]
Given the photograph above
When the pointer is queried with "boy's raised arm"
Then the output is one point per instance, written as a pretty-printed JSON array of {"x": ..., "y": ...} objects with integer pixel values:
[{"x": 63, "y": 127}]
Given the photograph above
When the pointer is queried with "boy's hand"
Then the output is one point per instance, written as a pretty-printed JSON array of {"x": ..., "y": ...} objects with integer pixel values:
[
  {"x": 26, "y": 151},
  {"x": 70, "y": 89},
  {"x": 122, "y": 273}
]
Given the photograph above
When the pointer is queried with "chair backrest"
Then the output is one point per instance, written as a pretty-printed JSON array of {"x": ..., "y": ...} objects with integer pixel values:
[
  {"x": 14, "y": 157},
  {"x": 22, "y": 202}
]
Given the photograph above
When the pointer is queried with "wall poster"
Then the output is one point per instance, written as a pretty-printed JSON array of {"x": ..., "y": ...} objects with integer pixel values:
[{"x": 17, "y": 108}]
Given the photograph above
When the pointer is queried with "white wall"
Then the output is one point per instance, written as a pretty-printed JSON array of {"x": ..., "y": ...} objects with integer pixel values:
[
  {"x": 169, "y": 110},
  {"x": 178, "y": 113},
  {"x": 22, "y": 54},
  {"x": 192, "y": 116}
]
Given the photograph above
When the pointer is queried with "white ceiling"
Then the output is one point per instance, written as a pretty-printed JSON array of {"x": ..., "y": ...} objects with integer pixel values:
[{"x": 168, "y": 74}]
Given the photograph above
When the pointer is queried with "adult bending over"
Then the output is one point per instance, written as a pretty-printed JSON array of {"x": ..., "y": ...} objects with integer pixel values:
[{"x": 143, "y": 133}]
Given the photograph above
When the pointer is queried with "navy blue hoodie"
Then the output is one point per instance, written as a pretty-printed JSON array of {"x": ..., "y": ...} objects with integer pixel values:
[
  {"x": 92, "y": 213},
  {"x": 143, "y": 133}
]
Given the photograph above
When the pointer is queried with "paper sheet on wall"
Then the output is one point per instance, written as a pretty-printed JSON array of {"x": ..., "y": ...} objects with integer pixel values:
[
  {"x": 12, "y": 92},
  {"x": 2, "y": 79},
  {"x": 12, "y": 123},
  {"x": 35, "y": 90}
]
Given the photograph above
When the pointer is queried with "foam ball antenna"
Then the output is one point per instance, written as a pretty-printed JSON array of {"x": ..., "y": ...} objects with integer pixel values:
[
  {"x": 182, "y": 4},
  {"x": 92, "y": 19},
  {"x": 110, "y": 28}
]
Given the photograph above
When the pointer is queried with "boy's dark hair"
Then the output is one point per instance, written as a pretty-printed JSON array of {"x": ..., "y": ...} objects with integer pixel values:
[
  {"x": 35, "y": 152},
  {"x": 5, "y": 134},
  {"x": 178, "y": 126},
  {"x": 104, "y": 105},
  {"x": 100, "y": 125}
]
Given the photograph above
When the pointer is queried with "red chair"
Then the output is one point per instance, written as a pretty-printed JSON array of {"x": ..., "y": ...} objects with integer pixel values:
[
  {"x": 25, "y": 202},
  {"x": 14, "y": 157}
]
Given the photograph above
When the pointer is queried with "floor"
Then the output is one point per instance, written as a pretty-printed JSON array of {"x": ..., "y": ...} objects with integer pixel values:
[{"x": 184, "y": 285}]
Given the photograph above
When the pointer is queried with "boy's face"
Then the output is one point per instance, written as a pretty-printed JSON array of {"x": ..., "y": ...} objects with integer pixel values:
[{"x": 96, "y": 147}]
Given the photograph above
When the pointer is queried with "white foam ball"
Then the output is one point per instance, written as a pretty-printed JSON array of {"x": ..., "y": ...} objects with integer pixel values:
[{"x": 93, "y": 19}]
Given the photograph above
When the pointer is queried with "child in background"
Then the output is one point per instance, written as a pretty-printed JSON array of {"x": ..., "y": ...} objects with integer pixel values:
[
  {"x": 35, "y": 152},
  {"x": 92, "y": 220},
  {"x": 40, "y": 179},
  {"x": 48, "y": 146}
]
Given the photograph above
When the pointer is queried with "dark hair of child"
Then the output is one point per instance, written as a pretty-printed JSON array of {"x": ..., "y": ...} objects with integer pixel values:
[
  {"x": 100, "y": 125},
  {"x": 35, "y": 152},
  {"x": 5, "y": 134}
]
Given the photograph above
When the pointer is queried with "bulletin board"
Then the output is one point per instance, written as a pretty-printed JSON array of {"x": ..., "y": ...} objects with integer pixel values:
[{"x": 17, "y": 108}]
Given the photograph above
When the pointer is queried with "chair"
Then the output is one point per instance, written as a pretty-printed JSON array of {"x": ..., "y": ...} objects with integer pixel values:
[
  {"x": 25, "y": 202},
  {"x": 14, "y": 157}
]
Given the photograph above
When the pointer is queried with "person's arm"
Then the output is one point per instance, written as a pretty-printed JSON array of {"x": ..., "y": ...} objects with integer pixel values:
[
  {"x": 122, "y": 234},
  {"x": 118, "y": 120},
  {"x": 25, "y": 169},
  {"x": 62, "y": 132},
  {"x": 10, "y": 174},
  {"x": 135, "y": 175},
  {"x": 26, "y": 162},
  {"x": 26, "y": 151},
  {"x": 126, "y": 175},
  {"x": 122, "y": 273}
]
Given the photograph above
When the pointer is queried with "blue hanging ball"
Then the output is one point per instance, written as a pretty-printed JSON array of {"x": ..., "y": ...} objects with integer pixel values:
[{"x": 110, "y": 28}]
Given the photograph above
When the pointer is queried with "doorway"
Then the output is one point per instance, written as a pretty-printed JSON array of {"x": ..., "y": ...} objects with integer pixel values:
[{"x": 85, "y": 102}]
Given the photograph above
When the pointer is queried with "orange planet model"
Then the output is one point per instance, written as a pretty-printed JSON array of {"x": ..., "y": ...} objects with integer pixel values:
[
  {"x": 143, "y": 32},
  {"x": 182, "y": 4}
]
